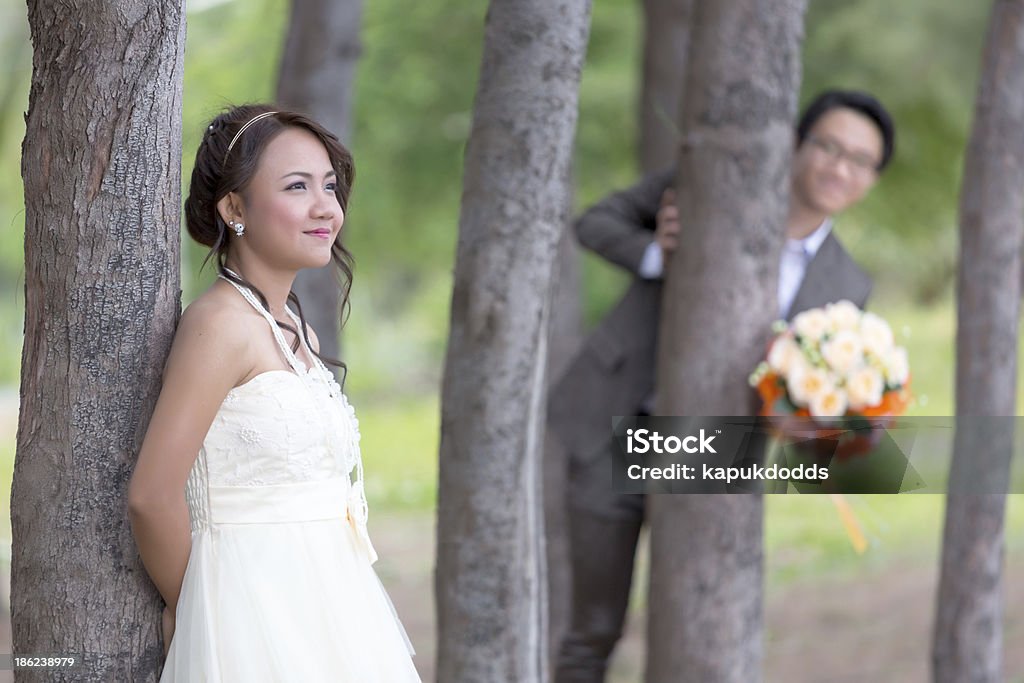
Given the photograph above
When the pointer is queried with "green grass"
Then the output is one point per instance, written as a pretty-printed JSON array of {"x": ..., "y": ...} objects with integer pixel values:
[
  {"x": 399, "y": 443},
  {"x": 804, "y": 536}
]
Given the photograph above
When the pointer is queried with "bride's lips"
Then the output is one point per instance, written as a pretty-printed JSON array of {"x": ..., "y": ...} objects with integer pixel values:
[{"x": 322, "y": 233}]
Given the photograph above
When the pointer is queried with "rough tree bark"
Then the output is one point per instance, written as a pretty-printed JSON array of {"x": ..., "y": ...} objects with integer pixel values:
[
  {"x": 666, "y": 45},
  {"x": 101, "y": 166},
  {"x": 706, "y": 551},
  {"x": 967, "y": 640},
  {"x": 490, "y": 574},
  {"x": 316, "y": 76}
]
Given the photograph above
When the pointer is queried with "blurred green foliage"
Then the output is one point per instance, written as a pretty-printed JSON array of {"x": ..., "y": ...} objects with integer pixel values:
[{"x": 413, "y": 101}]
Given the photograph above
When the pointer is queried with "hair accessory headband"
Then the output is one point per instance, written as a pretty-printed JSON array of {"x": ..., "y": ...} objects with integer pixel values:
[{"x": 243, "y": 129}]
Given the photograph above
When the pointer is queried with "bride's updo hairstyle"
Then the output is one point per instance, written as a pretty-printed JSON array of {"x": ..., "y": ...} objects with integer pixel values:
[{"x": 219, "y": 170}]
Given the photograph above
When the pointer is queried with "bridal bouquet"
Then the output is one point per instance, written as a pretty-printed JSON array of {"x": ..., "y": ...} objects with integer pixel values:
[
  {"x": 834, "y": 362},
  {"x": 836, "y": 366}
]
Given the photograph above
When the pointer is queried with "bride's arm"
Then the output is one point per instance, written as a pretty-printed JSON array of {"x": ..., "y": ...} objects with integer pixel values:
[{"x": 206, "y": 360}]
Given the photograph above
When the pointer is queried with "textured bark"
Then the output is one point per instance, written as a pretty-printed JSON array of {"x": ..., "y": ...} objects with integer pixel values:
[
  {"x": 316, "y": 76},
  {"x": 490, "y": 578},
  {"x": 967, "y": 643},
  {"x": 564, "y": 338},
  {"x": 666, "y": 46},
  {"x": 101, "y": 167},
  {"x": 706, "y": 551}
]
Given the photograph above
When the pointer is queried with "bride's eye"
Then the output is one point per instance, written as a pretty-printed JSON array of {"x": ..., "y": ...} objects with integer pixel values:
[{"x": 301, "y": 185}]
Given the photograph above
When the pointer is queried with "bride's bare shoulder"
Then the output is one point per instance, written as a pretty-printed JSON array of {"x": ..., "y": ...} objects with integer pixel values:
[
  {"x": 210, "y": 354},
  {"x": 214, "y": 324},
  {"x": 221, "y": 307}
]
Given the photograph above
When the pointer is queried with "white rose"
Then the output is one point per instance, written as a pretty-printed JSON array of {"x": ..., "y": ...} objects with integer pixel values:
[
  {"x": 784, "y": 354},
  {"x": 801, "y": 363},
  {"x": 843, "y": 352},
  {"x": 806, "y": 382},
  {"x": 864, "y": 388},
  {"x": 831, "y": 403},
  {"x": 811, "y": 325},
  {"x": 843, "y": 315},
  {"x": 896, "y": 365},
  {"x": 876, "y": 334}
]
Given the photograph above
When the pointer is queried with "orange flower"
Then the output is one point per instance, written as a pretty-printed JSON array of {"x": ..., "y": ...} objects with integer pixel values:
[
  {"x": 769, "y": 388},
  {"x": 893, "y": 403}
]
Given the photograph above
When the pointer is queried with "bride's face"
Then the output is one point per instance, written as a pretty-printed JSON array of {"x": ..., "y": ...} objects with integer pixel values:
[{"x": 291, "y": 209}]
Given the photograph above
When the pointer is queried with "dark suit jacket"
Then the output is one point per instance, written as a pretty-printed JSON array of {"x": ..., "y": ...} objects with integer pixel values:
[{"x": 614, "y": 371}]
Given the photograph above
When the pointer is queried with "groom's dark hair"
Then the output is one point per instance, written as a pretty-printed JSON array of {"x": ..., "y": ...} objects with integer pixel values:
[{"x": 858, "y": 101}]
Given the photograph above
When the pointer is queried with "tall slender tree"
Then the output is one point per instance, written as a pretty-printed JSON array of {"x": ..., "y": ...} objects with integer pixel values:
[
  {"x": 490, "y": 574},
  {"x": 101, "y": 165},
  {"x": 316, "y": 76},
  {"x": 733, "y": 186},
  {"x": 967, "y": 640},
  {"x": 666, "y": 44}
]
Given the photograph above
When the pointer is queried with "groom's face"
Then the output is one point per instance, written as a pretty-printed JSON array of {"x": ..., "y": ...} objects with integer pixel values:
[{"x": 837, "y": 163}]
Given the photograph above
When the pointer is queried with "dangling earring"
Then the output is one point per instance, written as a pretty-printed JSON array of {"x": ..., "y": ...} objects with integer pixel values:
[{"x": 239, "y": 228}]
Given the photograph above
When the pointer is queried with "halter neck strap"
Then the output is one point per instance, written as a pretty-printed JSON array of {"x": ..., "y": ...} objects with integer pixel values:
[{"x": 293, "y": 360}]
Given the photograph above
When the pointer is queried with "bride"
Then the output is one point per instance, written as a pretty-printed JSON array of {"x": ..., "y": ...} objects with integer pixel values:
[{"x": 247, "y": 499}]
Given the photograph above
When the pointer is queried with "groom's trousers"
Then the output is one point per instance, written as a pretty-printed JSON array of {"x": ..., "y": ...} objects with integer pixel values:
[{"x": 603, "y": 530}]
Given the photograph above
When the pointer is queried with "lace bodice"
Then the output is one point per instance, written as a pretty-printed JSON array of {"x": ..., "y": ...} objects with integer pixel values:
[{"x": 281, "y": 427}]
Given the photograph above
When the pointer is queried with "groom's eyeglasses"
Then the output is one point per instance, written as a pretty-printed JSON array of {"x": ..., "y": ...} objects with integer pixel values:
[{"x": 863, "y": 164}]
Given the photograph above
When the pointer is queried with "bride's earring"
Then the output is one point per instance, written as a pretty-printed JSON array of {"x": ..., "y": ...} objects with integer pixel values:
[{"x": 239, "y": 228}]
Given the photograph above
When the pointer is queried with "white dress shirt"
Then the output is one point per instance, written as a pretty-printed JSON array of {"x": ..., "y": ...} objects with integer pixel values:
[
  {"x": 796, "y": 254},
  {"x": 652, "y": 263}
]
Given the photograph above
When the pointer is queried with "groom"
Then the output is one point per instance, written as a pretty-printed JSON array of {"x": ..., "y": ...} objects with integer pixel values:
[{"x": 844, "y": 140}]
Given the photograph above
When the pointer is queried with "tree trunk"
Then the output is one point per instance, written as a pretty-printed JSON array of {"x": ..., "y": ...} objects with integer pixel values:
[
  {"x": 564, "y": 338},
  {"x": 666, "y": 44},
  {"x": 737, "y": 121},
  {"x": 316, "y": 76},
  {"x": 967, "y": 643},
  {"x": 102, "y": 171},
  {"x": 490, "y": 575}
]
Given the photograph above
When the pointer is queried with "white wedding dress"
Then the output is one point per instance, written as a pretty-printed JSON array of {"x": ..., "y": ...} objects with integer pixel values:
[{"x": 279, "y": 585}]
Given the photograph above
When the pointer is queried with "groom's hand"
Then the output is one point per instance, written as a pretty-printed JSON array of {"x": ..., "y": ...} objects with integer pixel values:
[{"x": 666, "y": 230}]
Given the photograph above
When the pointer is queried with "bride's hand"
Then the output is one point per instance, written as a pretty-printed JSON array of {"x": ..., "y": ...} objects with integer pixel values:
[{"x": 167, "y": 625}]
